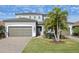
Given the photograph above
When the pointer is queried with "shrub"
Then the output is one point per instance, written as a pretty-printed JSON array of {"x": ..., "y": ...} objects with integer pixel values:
[
  {"x": 2, "y": 31},
  {"x": 51, "y": 35},
  {"x": 76, "y": 31},
  {"x": 48, "y": 35}
]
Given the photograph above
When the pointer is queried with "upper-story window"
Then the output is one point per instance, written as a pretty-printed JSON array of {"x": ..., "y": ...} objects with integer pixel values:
[
  {"x": 38, "y": 17},
  {"x": 29, "y": 16},
  {"x": 34, "y": 17}
]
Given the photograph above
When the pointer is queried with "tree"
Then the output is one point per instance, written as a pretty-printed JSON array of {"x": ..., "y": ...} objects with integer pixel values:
[{"x": 56, "y": 21}]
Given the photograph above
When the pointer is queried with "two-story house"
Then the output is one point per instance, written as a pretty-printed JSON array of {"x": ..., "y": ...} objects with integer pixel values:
[{"x": 25, "y": 24}]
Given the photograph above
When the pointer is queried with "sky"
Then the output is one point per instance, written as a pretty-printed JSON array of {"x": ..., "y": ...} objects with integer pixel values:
[{"x": 8, "y": 11}]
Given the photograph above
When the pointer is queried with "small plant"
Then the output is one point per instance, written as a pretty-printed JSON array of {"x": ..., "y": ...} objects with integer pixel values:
[{"x": 48, "y": 35}]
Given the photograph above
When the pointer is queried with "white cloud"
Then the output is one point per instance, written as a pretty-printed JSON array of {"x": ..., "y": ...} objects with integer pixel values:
[
  {"x": 72, "y": 10},
  {"x": 1, "y": 14},
  {"x": 33, "y": 11},
  {"x": 25, "y": 11},
  {"x": 73, "y": 18},
  {"x": 75, "y": 7},
  {"x": 11, "y": 13},
  {"x": 78, "y": 12},
  {"x": 40, "y": 10}
]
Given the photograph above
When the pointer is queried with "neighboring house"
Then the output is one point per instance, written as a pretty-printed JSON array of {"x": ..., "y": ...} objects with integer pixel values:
[
  {"x": 27, "y": 24},
  {"x": 76, "y": 24},
  {"x": 72, "y": 25}
]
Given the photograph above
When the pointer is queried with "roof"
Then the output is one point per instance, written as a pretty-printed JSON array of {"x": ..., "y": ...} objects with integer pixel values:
[
  {"x": 40, "y": 23},
  {"x": 76, "y": 23},
  {"x": 2, "y": 23},
  {"x": 30, "y": 13},
  {"x": 19, "y": 20},
  {"x": 70, "y": 23}
]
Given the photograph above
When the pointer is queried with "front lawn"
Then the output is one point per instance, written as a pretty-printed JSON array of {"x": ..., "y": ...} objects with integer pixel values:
[{"x": 40, "y": 45}]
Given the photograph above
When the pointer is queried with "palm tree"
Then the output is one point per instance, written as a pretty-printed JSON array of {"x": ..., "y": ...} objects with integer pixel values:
[{"x": 56, "y": 21}]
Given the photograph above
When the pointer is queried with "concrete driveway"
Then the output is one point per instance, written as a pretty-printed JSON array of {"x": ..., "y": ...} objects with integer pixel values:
[{"x": 13, "y": 44}]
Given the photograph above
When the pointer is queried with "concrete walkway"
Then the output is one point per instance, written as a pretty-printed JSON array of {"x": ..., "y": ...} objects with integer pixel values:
[
  {"x": 13, "y": 44},
  {"x": 72, "y": 37}
]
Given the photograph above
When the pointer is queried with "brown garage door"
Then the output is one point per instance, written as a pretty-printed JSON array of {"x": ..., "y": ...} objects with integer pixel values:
[{"x": 20, "y": 31}]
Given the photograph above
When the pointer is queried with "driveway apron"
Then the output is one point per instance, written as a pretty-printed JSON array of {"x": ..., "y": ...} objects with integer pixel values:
[{"x": 13, "y": 44}]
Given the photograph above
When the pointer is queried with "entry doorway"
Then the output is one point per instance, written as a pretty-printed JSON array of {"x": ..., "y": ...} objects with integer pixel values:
[{"x": 39, "y": 30}]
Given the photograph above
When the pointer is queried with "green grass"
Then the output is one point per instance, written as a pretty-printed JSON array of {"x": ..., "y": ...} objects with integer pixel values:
[{"x": 39, "y": 45}]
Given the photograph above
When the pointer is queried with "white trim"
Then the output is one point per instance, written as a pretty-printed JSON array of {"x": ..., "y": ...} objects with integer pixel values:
[
  {"x": 70, "y": 29},
  {"x": 21, "y": 24}
]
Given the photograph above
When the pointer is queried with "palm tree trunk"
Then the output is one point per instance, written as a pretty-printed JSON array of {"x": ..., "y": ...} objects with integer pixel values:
[
  {"x": 54, "y": 34},
  {"x": 58, "y": 36}
]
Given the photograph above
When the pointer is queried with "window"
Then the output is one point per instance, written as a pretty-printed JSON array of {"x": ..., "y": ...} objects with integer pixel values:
[
  {"x": 39, "y": 17},
  {"x": 39, "y": 28},
  {"x": 29, "y": 16},
  {"x": 34, "y": 17}
]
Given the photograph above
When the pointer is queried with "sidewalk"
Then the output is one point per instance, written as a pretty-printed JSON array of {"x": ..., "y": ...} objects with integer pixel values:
[{"x": 72, "y": 37}]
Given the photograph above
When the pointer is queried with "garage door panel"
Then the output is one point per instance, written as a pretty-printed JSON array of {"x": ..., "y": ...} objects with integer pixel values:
[{"x": 20, "y": 31}]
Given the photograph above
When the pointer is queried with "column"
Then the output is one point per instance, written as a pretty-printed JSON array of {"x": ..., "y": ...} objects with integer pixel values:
[
  {"x": 42, "y": 32},
  {"x": 70, "y": 27},
  {"x": 6, "y": 31}
]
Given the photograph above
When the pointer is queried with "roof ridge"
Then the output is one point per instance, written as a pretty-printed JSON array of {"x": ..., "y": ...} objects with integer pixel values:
[
  {"x": 30, "y": 13},
  {"x": 19, "y": 20}
]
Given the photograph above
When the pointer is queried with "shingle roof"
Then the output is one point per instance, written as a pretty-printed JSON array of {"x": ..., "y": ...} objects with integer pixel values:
[
  {"x": 30, "y": 13},
  {"x": 40, "y": 23},
  {"x": 76, "y": 23},
  {"x": 19, "y": 20},
  {"x": 70, "y": 22},
  {"x": 2, "y": 23}
]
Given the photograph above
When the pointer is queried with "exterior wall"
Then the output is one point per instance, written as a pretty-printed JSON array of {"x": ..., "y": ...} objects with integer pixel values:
[
  {"x": 70, "y": 29},
  {"x": 41, "y": 20},
  {"x": 45, "y": 17},
  {"x": 33, "y": 24},
  {"x": 31, "y": 17}
]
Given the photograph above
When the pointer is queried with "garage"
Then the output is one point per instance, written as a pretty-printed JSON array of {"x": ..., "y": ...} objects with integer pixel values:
[
  {"x": 20, "y": 27},
  {"x": 17, "y": 31}
]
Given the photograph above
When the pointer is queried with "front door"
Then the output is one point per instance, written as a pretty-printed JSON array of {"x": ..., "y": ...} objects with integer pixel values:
[{"x": 39, "y": 29}]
